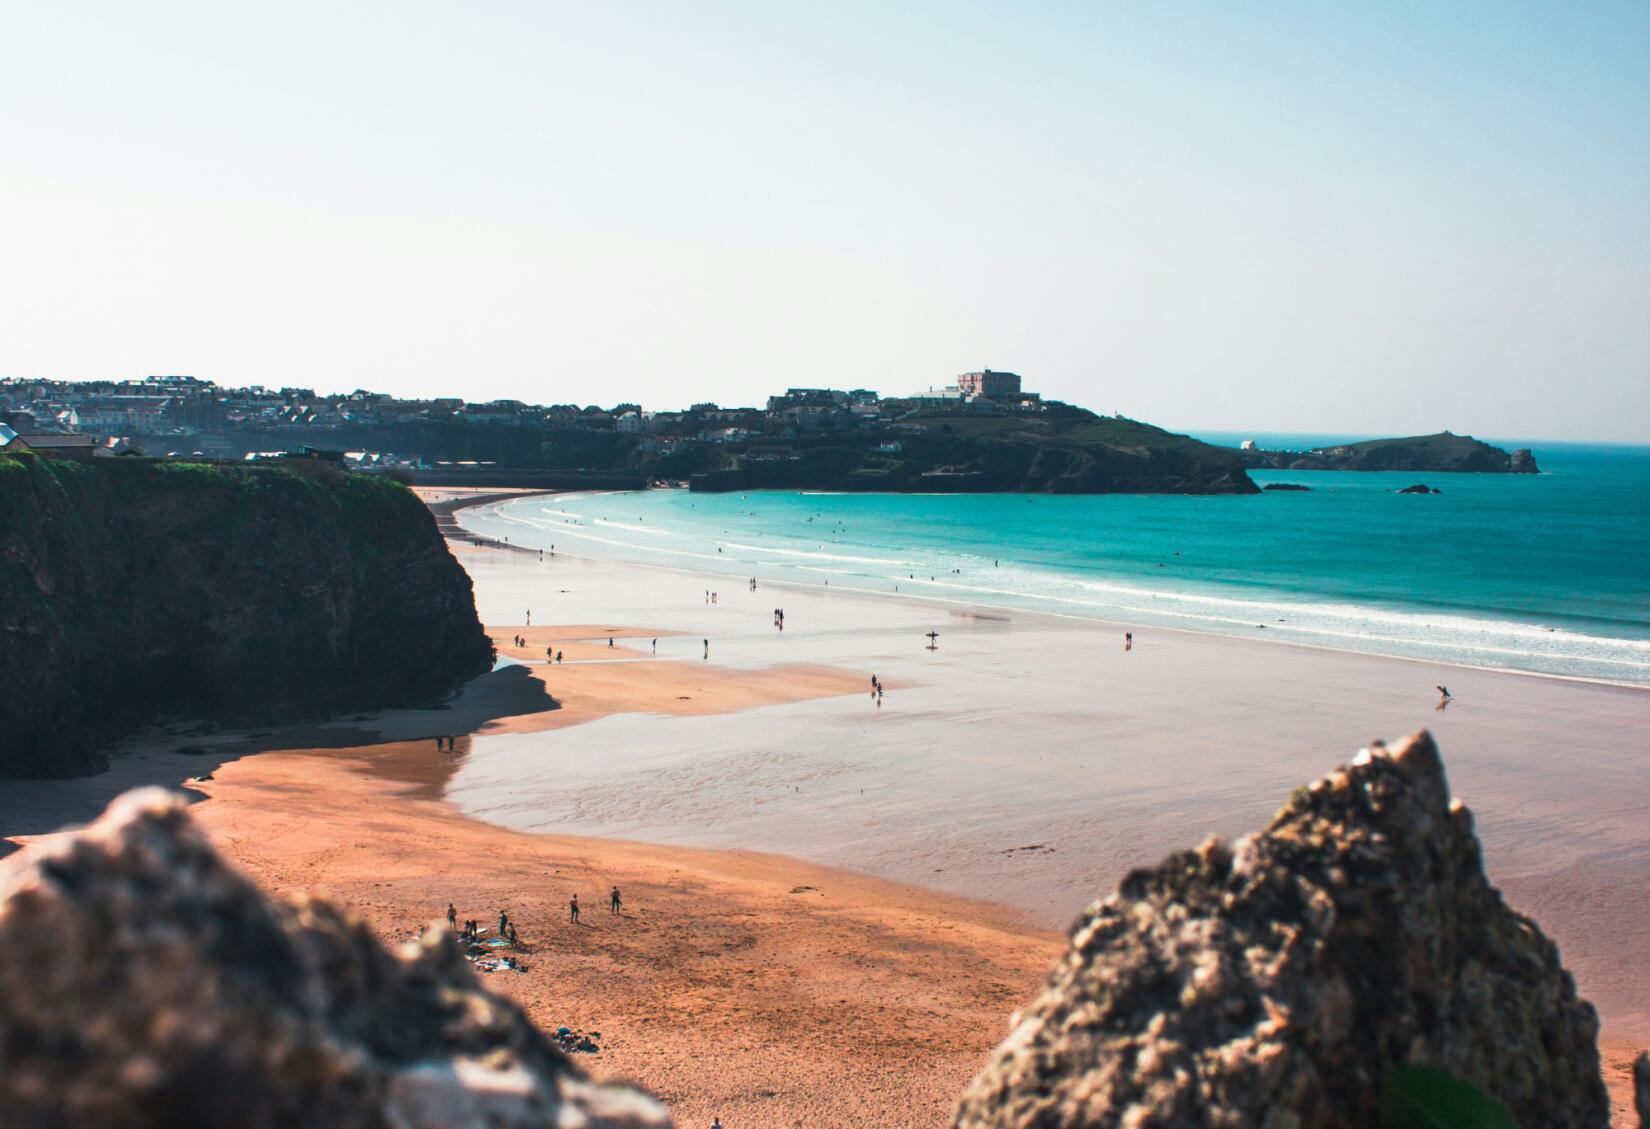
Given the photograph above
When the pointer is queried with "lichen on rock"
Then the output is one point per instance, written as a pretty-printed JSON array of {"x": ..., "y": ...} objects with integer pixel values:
[
  {"x": 144, "y": 982},
  {"x": 1275, "y": 982}
]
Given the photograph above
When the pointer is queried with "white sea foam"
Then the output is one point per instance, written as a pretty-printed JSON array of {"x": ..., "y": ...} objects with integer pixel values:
[{"x": 1443, "y": 635}]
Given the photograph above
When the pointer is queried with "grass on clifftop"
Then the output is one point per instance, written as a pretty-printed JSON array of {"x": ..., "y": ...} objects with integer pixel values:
[{"x": 1063, "y": 425}]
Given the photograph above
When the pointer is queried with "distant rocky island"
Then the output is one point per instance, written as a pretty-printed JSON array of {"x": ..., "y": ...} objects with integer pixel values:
[
  {"x": 136, "y": 588},
  {"x": 1442, "y": 452}
]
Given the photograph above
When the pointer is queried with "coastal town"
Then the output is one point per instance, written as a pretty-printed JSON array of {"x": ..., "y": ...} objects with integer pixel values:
[{"x": 186, "y": 416}]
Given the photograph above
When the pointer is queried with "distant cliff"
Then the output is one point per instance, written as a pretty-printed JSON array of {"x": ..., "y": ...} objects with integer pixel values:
[
  {"x": 1441, "y": 452},
  {"x": 132, "y": 589},
  {"x": 1060, "y": 450}
]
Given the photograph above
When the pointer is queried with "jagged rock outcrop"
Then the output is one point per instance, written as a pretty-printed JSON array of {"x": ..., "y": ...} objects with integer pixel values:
[
  {"x": 1274, "y": 983},
  {"x": 144, "y": 983},
  {"x": 132, "y": 589}
]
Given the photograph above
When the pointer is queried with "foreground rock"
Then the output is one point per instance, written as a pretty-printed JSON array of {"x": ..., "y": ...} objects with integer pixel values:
[
  {"x": 145, "y": 983},
  {"x": 1641, "y": 1088},
  {"x": 1276, "y": 982}
]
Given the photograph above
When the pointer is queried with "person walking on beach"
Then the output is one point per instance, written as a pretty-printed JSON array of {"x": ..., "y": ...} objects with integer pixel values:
[
  {"x": 707, "y": 648},
  {"x": 529, "y": 617},
  {"x": 558, "y": 656},
  {"x": 610, "y": 640},
  {"x": 655, "y": 646},
  {"x": 1444, "y": 696},
  {"x": 452, "y": 916},
  {"x": 1128, "y": 640},
  {"x": 613, "y": 900},
  {"x": 573, "y": 909},
  {"x": 503, "y": 922}
]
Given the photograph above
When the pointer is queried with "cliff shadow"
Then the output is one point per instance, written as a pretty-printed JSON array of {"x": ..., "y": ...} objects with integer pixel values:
[{"x": 171, "y": 755}]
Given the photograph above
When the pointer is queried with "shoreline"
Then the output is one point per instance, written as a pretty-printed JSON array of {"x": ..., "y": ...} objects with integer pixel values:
[{"x": 979, "y": 605}]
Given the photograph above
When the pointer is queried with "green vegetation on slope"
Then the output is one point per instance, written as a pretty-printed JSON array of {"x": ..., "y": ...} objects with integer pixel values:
[{"x": 1060, "y": 449}]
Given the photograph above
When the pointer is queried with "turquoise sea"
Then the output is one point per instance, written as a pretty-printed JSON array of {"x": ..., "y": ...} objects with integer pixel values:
[{"x": 1544, "y": 573}]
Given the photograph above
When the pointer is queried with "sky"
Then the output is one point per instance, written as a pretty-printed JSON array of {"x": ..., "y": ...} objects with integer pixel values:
[{"x": 1372, "y": 219}]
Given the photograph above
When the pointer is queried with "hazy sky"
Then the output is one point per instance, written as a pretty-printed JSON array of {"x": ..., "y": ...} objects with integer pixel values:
[{"x": 1382, "y": 218}]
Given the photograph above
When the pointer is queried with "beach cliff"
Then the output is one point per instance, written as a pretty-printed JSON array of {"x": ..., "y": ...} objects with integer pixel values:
[{"x": 135, "y": 589}]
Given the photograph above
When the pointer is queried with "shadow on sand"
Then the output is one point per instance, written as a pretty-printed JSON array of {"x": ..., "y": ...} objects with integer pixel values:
[{"x": 37, "y": 807}]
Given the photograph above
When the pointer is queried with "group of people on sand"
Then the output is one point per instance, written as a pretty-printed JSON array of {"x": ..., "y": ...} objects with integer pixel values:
[
  {"x": 472, "y": 927},
  {"x": 779, "y": 618},
  {"x": 876, "y": 691},
  {"x": 507, "y": 928},
  {"x": 447, "y": 743},
  {"x": 710, "y": 597}
]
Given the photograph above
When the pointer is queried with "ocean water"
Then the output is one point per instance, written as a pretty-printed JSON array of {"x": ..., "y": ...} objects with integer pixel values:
[{"x": 1544, "y": 573}]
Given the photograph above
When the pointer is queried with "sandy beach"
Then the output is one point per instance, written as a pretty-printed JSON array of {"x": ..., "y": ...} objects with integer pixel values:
[{"x": 831, "y": 906}]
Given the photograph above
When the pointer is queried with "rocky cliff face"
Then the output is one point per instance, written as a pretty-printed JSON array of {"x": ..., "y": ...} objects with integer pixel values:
[
  {"x": 1277, "y": 982},
  {"x": 143, "y": 983},
  {"x": 133, "y": 588}
]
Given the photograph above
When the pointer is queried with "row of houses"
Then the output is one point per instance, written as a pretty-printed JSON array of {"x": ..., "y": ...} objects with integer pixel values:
[
  {"x": 61, "y": 444},
  {"x": 203, "y": 415}
]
